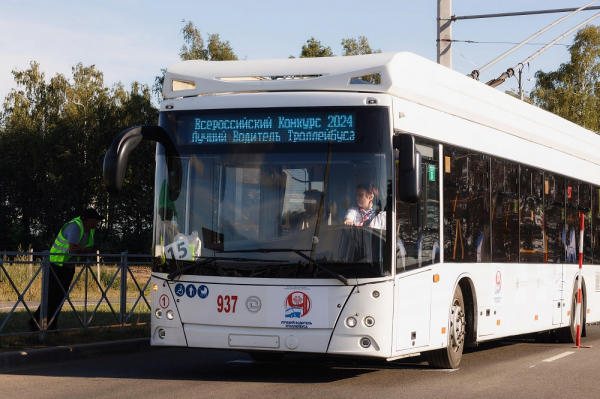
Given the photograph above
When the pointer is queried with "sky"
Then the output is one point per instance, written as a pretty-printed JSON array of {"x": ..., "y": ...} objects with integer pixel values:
[{"x": 132, "y": 40}]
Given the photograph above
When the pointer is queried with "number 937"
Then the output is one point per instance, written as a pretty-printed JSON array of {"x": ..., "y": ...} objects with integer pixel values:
[{"x": 226, "y": 303}]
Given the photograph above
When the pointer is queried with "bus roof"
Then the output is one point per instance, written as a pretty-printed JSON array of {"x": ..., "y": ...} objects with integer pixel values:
[{"x": 402, "y": 75}]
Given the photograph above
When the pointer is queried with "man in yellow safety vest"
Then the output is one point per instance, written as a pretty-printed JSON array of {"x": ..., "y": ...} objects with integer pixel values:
[{"x": 75, "y": 237}]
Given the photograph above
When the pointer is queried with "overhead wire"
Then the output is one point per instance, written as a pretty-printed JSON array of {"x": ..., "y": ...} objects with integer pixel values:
[{"x": 478, "y": 42}]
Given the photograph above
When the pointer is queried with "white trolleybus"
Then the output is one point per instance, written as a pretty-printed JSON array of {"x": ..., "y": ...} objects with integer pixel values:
[{"x": 368, "y": 206}]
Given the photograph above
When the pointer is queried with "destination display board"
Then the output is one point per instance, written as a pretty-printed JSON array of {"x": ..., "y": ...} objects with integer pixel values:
[{"x": 268, "y": 127}]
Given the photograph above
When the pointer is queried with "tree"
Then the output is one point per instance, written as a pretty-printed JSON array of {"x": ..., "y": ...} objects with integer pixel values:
[
  {"x": 357, "y": 47},
  {"x": 193, "y": 46},
  {"x": 26, "y": 121},
  {"x": 526, "y": 97},
  {"x": 313, "y": 48},
  {"x": 218, "y": 50},
  {"x": 53, "y": 137},
  {"x": 573, "y": 90},
  {"x": 130, "y": 213},
  {"x": 194, "y": 49}
]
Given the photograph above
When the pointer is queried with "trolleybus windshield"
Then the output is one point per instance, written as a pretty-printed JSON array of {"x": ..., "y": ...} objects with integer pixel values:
[{"x": 265, "y": 193}]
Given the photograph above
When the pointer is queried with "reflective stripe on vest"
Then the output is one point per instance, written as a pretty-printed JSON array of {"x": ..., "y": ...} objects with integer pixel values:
[{"x": 60, "y": 249}]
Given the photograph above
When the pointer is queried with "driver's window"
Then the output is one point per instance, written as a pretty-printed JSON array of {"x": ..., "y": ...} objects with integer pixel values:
[{"x": 417, "y": 239}]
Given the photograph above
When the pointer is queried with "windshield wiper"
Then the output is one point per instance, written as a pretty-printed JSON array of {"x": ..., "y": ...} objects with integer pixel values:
[
  {"x": 211, "y": 259},
  {"x": 179, "y": 272},
  {"x": 299, "y": 252}
]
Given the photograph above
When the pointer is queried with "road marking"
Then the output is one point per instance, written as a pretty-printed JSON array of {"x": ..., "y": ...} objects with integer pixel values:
[{"x": 558, "y": 357}]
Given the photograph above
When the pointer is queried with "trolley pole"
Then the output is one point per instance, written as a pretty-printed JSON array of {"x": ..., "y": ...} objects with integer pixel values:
[{"x": 578, "y": 309}]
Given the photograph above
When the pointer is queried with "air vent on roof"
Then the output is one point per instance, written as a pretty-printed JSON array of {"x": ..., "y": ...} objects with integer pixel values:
[
  {"x": 373, "y": 79},
  {"x": 178, "y": 85},
  {"x": 267, "y": 78}
]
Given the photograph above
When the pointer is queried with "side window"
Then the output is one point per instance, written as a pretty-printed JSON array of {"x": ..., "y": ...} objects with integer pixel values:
[
  {"x": 595, "y": 222},
  {"x": 554, "y": 218},
  {"x": 578, "y": 202},
  {"x": 466, "y": 206},
  {"x": 418, "y": 225},
  {"x": 505, "y": 211},
  {"x": 585, "y": 206},
  {"x": 531, "y": 216}
]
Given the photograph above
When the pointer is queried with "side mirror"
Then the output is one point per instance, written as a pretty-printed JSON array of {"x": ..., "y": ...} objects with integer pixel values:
[
  {"x": 409, "y": 172},
  {"x": 410, "y": 183},
  {"x": 405, "y": 144},
  {"x": 115, "y": 160}
]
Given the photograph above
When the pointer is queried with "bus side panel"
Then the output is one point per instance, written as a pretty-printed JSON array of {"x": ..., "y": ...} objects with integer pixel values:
[
  {"x": 372, "y": 306},
  {"x": 592, "y": 280},
  {"x": 517, "y": 299},
  {"x": 165, "y": 331},
  {"x": 413, "y": 310}
]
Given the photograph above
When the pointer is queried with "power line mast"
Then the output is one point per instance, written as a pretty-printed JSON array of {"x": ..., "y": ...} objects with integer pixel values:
[
  {"x": 444, "y": 33},
  {"x": 475, "y": 73}
]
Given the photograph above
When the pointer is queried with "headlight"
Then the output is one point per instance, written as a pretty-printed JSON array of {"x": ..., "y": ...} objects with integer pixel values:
[
  {"x": 158, "y": 313},
  {"x": 350, "y": 321},
  {"x": 170, "y": 315},
  {"x": 369, "y": 321},
  {"x": 365, "y": 342}
]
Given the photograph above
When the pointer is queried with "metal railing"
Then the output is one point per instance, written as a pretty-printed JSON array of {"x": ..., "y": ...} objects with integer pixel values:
[{"x": 105, "y": 292}]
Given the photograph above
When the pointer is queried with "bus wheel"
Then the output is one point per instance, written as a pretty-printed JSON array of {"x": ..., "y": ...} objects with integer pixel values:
[
  {"x": 449, "y": 357},
  {"x": 266, "y": 356},
  {"x": 568, "y": 335}
]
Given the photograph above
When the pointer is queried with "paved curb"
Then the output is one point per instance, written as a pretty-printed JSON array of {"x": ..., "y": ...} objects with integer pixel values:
[{"x": 40, "y": 356}]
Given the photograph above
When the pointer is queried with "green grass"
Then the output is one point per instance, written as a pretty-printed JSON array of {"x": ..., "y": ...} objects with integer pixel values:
[
  {"x": 22, "y": 275},
  {"x": 68, "y": 338},
  {"x": 68, "y": 319},
  {"x": 102, "y": 327}
]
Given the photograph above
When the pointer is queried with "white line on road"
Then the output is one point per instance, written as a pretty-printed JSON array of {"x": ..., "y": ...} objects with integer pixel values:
[{"x": 558, "y": 357}]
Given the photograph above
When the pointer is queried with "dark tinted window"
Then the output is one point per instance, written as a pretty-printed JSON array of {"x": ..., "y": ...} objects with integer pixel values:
[
  {"x": 531, "y": 215},
  {"x": 578, "y": 202},
  {"x": 466, "y": 206},
  {"x": 505, "y": 211},
  {"x": 595, "y": 224},
  {"x": 418, "y": 225},
  {"x": 554, "y": 217}
]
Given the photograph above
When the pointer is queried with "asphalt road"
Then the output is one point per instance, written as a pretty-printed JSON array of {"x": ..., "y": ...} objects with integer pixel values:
[{"x": 518, "y": 368}]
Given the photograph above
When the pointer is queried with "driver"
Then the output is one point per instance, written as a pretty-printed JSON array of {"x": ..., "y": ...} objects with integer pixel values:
[{"x": 364, "y": 213}]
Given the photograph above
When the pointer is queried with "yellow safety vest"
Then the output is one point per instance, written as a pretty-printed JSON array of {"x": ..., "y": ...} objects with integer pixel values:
[{"x": 60, "y": 249}]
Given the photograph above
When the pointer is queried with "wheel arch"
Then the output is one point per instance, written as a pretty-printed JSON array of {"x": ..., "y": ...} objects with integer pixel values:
[{"x": 583, "y": 300}]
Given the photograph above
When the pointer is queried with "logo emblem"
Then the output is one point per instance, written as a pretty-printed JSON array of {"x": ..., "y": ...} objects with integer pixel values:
[
  {"x": 498, "y": 282},
  {"x": 203, "y": 291},
  {"x": 191, "y": 291},
  {"x": 297, "y": 305},
  {"x": 179, "y": 289},
  {"x": 253, "y": 304}
]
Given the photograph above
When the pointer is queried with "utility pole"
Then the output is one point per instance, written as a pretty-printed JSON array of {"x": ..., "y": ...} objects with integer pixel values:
[{"x": 444, "y": 33}]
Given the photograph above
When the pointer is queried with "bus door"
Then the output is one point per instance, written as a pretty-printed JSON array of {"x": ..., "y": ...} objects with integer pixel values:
[{"x": 417, "y": 246}]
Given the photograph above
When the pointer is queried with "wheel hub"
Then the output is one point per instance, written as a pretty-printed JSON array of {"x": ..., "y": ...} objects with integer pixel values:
[{"x": 457, "y": 326}]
